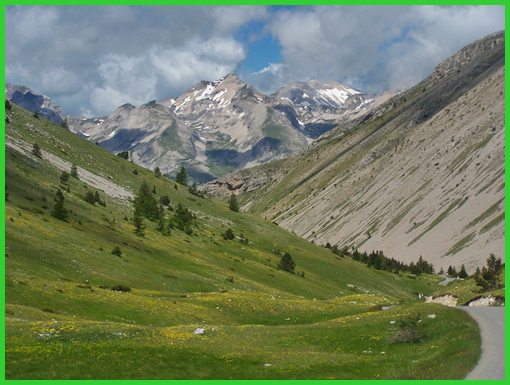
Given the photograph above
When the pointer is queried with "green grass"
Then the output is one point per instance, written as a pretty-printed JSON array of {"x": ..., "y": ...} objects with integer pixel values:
[
  {"x": 487, "y": 213},
  {"x": 63, "y": 321},
  {"x": 452, "y": 207},
  {"x": 466, "y": 290},
  {"x": 458, "y": 246}
]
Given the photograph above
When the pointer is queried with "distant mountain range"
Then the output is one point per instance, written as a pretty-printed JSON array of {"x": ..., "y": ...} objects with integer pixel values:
[{"x": 216, "y": 126}]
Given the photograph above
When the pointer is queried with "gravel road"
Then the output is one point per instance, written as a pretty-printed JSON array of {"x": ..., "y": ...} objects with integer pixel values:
[{"x": 492, "y": 326}]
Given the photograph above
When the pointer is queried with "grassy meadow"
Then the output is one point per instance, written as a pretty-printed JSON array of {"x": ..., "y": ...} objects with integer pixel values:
[{"x": 64, "y": 321}]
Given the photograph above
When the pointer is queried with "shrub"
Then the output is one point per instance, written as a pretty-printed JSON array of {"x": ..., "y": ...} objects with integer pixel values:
[
  {"x": 74, "y": 171},
  {"x": 408, "y": 330},
  {"x": 122, "y": 288},
  {"x": 228, "y": 235},
  {"x": 123, "y": 155},
  {"x": 117, "y": 251},
  {"x": 64, "y": 177},
  {"x": 164, "y": 200},
  {"x": 287, "y": 263},
  {"x": 36, "y": 150}
]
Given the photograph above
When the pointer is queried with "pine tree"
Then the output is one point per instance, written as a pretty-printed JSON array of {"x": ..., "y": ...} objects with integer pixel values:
[
  {"x": 138, "y": 222},
  {"x": 157, "y": 172},
  {"x": 164, "y": 200},
  {"x": 89, "y": 197},
  {"x": 182, "y": 177},
  {"x": 145, "y": 204},
  {"x": 117, "y": 251},
  {"x": 64, "y": 177},
  {"x": 64, "y": 123},
  {"x": 74, "y": 171},
  {"x": 462, "y": 273},
  {"x": 488, "y": 278},
  {"x": 228, "y": 235},
  {"x": 183, "y": 219},
  {"x": 441, "y": 272},
  {"x": 233, "y": 205},
  {"x": 450, "y": 271},
  {"x": 59, "y": 211},
  {"x": 287, "y": 263},
  {"x": 36, "y": 150},
  {"x": 161, "y": 219}
]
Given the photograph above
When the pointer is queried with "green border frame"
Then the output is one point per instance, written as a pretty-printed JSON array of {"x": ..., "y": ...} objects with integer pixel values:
[{"x": 219, "y": 3}]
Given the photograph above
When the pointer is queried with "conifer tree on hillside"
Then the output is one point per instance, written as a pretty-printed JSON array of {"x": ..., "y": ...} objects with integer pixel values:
[
  {"x": 232, "y": 204},
  {"x": 183, "y": 219},
  {"x": 462, "y": 272},
  {"x": 488, "y": 277},
  {"x": 64, "y": 124},
  {"x": 157, "y": 172},
  {"x": 287, "y": 263},
  {"x": 161, "y": 219},
  {"x": 36, "y": 150},
  {"x": 138, "y": 222},
  {"x": 59, "y": 211},
  {"x": 182, "y": 177},
  {"x": 74, "y": 171},
  {"x": 228, "y": 235},
  {"x": 145, "y": 204},
  {"x": 64, "y": 177}
]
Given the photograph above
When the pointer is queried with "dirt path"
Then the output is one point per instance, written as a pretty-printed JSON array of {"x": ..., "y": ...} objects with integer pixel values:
[
  {"x": 446, "y": 281},
  {"x": 108, "y": 187},
  {"x": 492, "y": 328}
]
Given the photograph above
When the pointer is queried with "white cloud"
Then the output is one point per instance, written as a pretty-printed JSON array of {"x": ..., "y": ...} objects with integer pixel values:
[
  {"x": 138, "y": 79},
  {"x": 375, "y": 48},
  {"x": 95, "y": 58}
]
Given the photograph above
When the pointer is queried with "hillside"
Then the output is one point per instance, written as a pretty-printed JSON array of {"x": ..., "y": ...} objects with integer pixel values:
[
  {"x": 88, "y": 298},
  {"x": 423, "y": 174}
]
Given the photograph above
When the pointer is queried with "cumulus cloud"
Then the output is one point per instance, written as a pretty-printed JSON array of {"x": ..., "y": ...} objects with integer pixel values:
[
  {"x": 92, "y": 59},
  {"x": 373, "y": 48}
]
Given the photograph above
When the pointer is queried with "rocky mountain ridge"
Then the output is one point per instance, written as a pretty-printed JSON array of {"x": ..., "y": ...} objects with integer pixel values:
[
  {"x": 223, "y": 125},
  {"x": 34, "y": 102},
  {"x": 422, "y": 174}
]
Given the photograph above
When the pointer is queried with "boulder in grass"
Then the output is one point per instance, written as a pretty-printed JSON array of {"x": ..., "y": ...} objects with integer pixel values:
[{"x": 199, "y": 331}]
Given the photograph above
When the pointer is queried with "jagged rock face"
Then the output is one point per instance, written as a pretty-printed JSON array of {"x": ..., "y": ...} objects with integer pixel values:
[
  {"x": 234, "y": 125},
  {"x": 316, "y": 107},
  {"x": 422, "y": 174},
  {"x": 151, "y": 133},
  {"x": 223, "y": 125},
  {"x": 33, "y": 102}
]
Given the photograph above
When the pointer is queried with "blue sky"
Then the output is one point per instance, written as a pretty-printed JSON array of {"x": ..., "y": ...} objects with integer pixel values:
[{"x": 92, "y": 59}]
